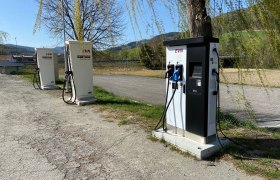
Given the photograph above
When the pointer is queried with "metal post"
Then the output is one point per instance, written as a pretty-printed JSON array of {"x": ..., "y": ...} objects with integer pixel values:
[
  {"x": 16, "y": 45},
  {"x": 161, "y": 59},
  {"x": 64, "y": 34},
  {"x": 64, "y": 39}
]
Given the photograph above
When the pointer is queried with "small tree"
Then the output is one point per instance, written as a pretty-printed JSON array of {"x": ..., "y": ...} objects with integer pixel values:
[
  {"x": 3, "y": 36},
  {"x": 123, "y": 54},
  {"x": 152, "y": 57},
  {"x": 134, "y": 54},
  {"x": 96, "y": 21},
  {"x": 146, "y": 56}
]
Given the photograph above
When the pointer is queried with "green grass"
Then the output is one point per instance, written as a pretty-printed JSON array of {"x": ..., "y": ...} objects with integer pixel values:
[
  {"x": 26, "y": 75},
  {"x": 228, "y": 121},
  {"x": 29, "y": 76},
  {"x": 253, "y": 169},
  {"x": 260, "y": 152},
  {"x": 123, "y": 122},
  {"x": 152, "y": 138},
  {"x": 59, "y": 81},
  {"x": 129, "y": 111}
]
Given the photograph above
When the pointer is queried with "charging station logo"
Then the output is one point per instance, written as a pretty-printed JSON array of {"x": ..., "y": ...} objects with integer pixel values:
[
  {"x": 178, "y": 50},
  {"x": 86, "y": 51},
  {"x": 85, "y": 56},
  {"x": 47, "y": 56}
]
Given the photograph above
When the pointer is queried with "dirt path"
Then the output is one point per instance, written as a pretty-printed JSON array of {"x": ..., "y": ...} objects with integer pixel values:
[
  {"x": 152, "y": 90},
  {"x": 43, "y": 138}
]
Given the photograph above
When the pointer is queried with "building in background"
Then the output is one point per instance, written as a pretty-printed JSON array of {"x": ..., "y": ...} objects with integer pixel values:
[{"x": 9, "y": 65}]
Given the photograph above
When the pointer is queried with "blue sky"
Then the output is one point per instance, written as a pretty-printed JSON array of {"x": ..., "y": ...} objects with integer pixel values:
[{"x": 17, "y": 17}]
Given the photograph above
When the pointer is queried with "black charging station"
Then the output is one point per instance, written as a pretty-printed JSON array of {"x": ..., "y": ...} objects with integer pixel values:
[{"x": 198, "y": 86}]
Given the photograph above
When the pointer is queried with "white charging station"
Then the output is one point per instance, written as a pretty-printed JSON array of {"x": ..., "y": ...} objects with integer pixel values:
[
  {"x": 45, "y": 64},
  {"x": 192, "y": 96},
  {"x": 79, "y": 55}
]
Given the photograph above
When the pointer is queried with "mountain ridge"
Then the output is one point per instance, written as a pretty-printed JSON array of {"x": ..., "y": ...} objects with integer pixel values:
[
  {"x": 158, "y": 38},
  {"x": 27, "y": 50}
]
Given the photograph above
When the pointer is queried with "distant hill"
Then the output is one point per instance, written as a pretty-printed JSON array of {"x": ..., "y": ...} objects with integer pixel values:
[
  {"x": 25, "y": 50},
  {"x": 58, "y": 50},
  {"x": 16, "y": 49},
  {"x": 11, "y": 49},
  {"x": 155, "y": 39}
]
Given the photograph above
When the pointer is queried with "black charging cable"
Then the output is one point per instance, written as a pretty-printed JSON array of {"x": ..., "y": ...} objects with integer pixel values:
[
  {"x": 214, "y": 72},
  {"x": 36, "y": 79},
  {"x": 69, "y": 80},
  {"x": 166, "y": 105},
  {"x": 166, "y": 98},
  {"x": 164, "y": 114}
]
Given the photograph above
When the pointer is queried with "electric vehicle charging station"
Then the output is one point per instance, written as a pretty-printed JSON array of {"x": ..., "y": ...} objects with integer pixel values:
[
  {"x": 79, "y": 72},
  {"x": 45, "y": 69},
  {"x": 192, "y": 87}
]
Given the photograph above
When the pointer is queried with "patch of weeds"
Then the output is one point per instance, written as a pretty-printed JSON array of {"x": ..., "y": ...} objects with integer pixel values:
[
  {"x": 260, "y": 154},
  {"x": 26, "y": 75},
  {"x": 162, "y": 141},
  {"x": 30, "y": 76},
  {"x": 59, "y": 81},
  {"x": 259, "y": 157},
  {"x": 256, "y": 168},
  {"x": 123, "y": 122},
  {"x": 185, "y": 154},
  {"x": 248, "y": 167},
  {"x": 152, "y": 138},
  {"x": 143, "y": 114},
  {"x": 228, "y": 121}
]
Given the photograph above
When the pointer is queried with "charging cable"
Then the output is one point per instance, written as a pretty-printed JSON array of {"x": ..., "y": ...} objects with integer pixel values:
[
  {"x": 166, "y": 98},
  {"x": 69, "y": 79},
  {"x": 216, "y": 73},
  {"x": 175, "y": 77},
  {"x": 36, "y": 79}
]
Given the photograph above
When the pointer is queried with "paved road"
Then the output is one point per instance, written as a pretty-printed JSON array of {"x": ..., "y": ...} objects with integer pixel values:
[
  {"x": 266, "y": 104},
  {"x": 43, "y": 138}
]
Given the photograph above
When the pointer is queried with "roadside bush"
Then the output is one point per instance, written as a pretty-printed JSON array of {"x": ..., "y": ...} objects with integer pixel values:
[{"x": 152, "y": 58}]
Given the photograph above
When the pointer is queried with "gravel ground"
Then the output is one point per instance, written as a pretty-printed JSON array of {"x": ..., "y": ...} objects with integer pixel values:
[
  {"x": 265, "y": 103},
  {"x": 43, "y": 138}
]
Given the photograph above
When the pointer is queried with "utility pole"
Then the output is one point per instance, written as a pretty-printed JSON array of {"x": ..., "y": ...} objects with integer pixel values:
[
  {"x": 64, "y": 39},
  {"x": 64, "y": 34},
  {"x": 16, "y": 45}
]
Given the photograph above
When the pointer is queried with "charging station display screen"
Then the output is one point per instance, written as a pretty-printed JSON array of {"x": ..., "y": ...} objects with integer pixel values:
[{"x": 196, "y": 70}]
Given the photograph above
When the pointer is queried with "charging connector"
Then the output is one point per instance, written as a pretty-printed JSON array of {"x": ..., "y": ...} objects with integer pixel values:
[
  {"x": 215, "y": 73},
  {"x": 170, "y": 71},
  {"x": 179, "y": 67}
]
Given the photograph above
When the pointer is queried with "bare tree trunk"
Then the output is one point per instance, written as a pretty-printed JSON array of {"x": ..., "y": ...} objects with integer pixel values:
[{"x": 199, "y": 22}]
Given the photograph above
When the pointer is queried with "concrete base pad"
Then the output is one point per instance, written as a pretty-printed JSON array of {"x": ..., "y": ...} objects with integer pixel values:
[
  {"x": 85, "y": 101},
  {"x": 199, "y": 150},
  {"x": 50, "y": 87}
]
